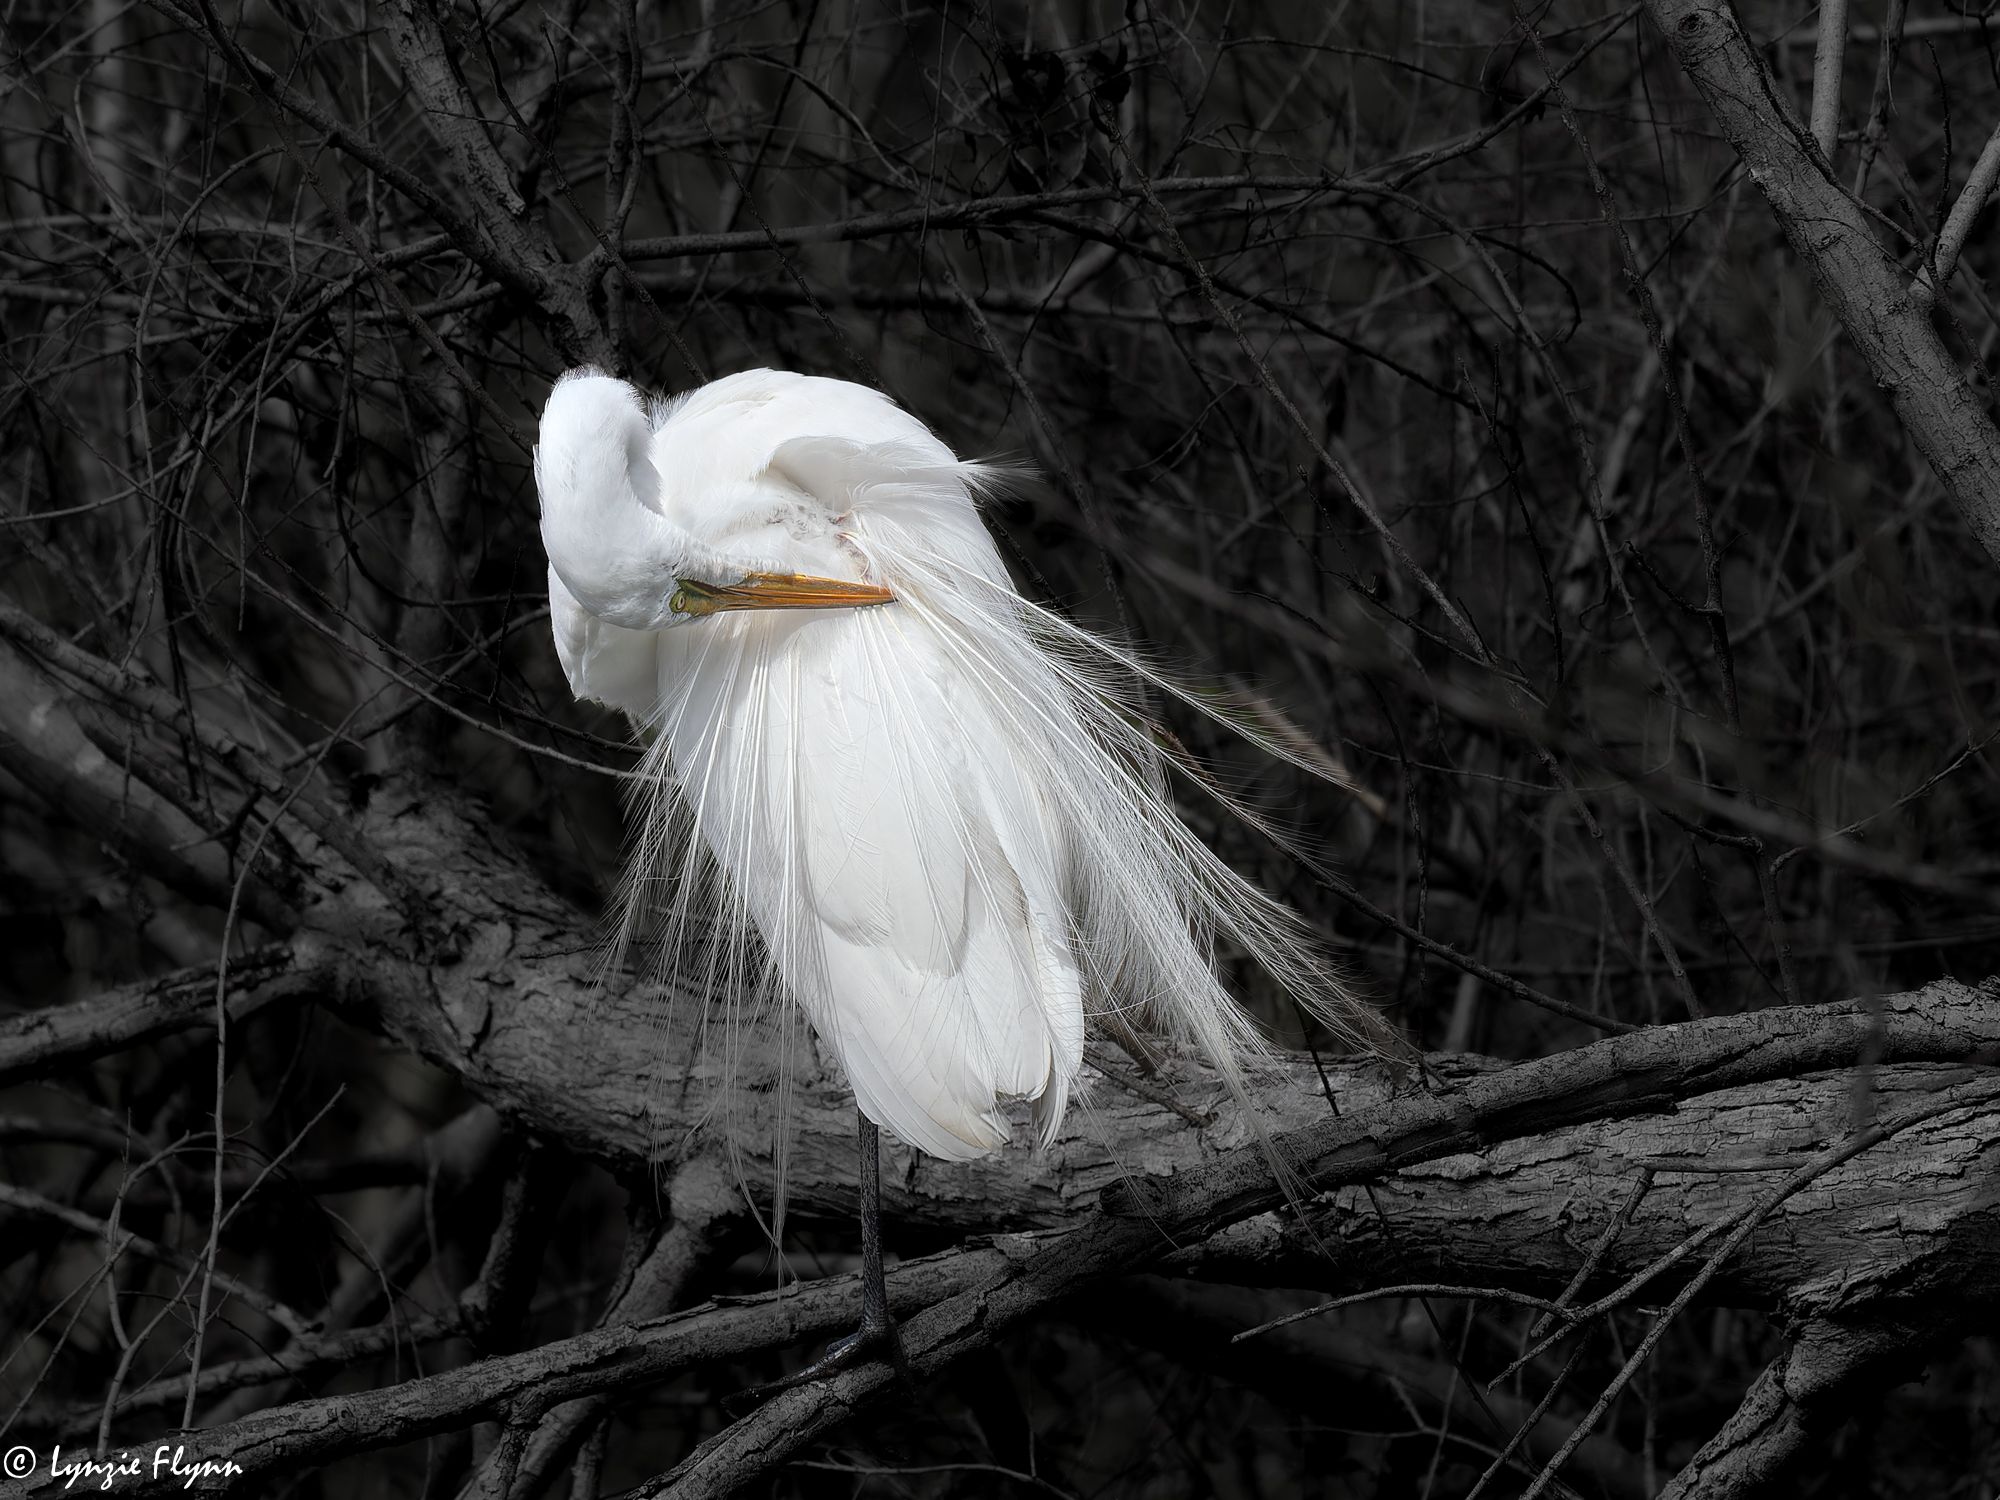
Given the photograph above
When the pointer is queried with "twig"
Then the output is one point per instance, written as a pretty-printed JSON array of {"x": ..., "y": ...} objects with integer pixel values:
[
  {"x": 1829, "y": 52},
  {"x": 1640, "y": 287},
  {"x": 118, "y": 1241},
  {"x": 1979, "y": 186}
]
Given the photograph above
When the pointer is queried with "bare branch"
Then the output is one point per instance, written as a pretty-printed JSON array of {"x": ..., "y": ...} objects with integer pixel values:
[
  {"x": 43, "y": 746},
  {"x": 1833, "y": 237},
  {"x": 1971, "y": 200},
  {"x": 1829, "y": 53},
  {"x": 38, "y": 1043},
  {"x": 1833, "y": 1366}
]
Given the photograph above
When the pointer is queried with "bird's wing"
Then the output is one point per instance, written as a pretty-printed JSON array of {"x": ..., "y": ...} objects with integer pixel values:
[
  {"x": 876, "y": 822},
  {"x": 864, "y": 788}
]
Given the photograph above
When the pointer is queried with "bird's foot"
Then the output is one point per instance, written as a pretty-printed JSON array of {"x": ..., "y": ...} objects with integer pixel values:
[{"x": 876, "y": 1338}]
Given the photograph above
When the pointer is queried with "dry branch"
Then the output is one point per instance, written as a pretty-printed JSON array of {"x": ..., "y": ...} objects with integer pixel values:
[
  {"x": 1833, "y": 1367},
  {"x": 37, "y": 1043},
  {"x": 47, "y": 750},
  {"x": 1865, "y": 286}
]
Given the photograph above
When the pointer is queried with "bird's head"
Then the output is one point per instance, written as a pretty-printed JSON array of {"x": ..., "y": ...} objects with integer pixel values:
[{"x": 609, "y": 537}]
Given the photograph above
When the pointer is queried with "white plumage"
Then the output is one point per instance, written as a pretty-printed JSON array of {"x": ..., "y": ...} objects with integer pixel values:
[{"x": 943, "y": 816}]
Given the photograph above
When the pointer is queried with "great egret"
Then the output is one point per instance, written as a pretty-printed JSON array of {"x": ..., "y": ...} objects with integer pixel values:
[{"x": 937, "y": 806}]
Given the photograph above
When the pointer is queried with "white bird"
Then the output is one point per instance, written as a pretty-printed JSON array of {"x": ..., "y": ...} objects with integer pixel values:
[{"x": 940, "y": 809}]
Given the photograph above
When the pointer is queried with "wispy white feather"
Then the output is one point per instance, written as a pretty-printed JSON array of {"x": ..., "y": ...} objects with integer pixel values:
[{"x": 942, "y": 826}]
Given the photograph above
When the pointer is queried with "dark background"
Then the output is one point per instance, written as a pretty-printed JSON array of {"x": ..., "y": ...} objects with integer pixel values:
[{"x": 1664, "y": 659}]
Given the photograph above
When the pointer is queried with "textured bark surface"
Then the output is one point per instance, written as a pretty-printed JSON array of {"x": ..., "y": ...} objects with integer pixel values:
[{"x": 504, "y": 998}]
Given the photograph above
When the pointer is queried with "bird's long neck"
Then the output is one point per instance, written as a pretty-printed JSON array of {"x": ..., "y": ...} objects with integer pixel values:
[
  {"x": 608, "y": 542},
  {"x": 593, "y": 460}
]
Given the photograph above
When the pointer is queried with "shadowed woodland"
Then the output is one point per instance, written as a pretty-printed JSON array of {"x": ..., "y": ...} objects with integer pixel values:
[{"x": 1577, "y": 423}]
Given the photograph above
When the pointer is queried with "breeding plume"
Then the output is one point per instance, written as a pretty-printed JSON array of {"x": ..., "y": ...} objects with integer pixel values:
[{"x": 932, "y": 812}]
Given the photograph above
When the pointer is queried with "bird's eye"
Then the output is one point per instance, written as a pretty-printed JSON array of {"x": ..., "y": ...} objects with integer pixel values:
[{"x": 679, "y": 602}]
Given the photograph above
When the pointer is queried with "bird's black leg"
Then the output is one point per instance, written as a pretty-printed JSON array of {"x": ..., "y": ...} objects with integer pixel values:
[
  {"x": 877, "y": 1333},
  {"x": 876, "y": 1327}
]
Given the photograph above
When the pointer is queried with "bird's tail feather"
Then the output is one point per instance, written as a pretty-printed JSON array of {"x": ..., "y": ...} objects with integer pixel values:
[{"x": 1151, "y": 897}]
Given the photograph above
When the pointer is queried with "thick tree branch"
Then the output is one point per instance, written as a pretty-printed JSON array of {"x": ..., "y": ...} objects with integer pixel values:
[
  {"x": 1458, "y": 1213},
  {"x": 506, "y": 1004}
]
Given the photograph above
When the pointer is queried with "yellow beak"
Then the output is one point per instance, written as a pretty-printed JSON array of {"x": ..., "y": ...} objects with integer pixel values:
[{"x": 774, "y": 591}]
